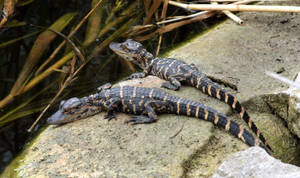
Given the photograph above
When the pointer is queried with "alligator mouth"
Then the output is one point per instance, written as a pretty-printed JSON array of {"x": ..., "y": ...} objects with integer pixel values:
[
  {"x": 56, "y": 118},
  {"x": 115, "y": 46}
]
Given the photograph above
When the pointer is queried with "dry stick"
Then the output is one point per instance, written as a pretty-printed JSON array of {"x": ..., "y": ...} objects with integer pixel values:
[
  {"x": 178, "y": 131},
  {"x": 69, "y": 36},
  {"x": 69, "y": 79},
  {"x": 127, "y": 12},
  {"x": 66, "y": 83},
  {"x": 198, "y": 13},
  {"x": 240, "y": 0},
  {"x": 74, "y": 47},
  {"x": 234, "y": 7},
  {"x": 163, "y": 17},
  {"x": 231, "y": 15},
  {"x": 228, "y": 1},
  {"x": 158, "y": 45},
  {"x": 190, "y": 19}
]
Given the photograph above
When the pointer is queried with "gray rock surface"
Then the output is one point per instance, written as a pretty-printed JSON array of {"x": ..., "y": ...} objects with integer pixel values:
[
  {"x": 286, "y": 104},
  {"x": 293, "y": 118},
  {"x": 94, "y": 147},
  {"x": 255, "y": 162}
]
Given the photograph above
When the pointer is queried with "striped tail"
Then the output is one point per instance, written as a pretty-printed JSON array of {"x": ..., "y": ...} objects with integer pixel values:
[
  {"x": 212, "y": 89},
  {"x": 209, "y": 114}
]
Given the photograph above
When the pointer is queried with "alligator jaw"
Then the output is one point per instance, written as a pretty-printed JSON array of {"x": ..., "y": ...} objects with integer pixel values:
[{"x": 57, "y": 118}]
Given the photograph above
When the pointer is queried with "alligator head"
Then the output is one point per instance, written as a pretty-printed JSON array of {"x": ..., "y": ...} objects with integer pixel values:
[
  {"x": 132, "y": 51},
  {"x": 73, "y": 109}
]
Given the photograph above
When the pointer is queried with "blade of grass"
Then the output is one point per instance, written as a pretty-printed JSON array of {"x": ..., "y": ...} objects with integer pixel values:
[
  {"x": 94, "y": 24},
  {"x": 28, "y": 101},
  {"x": 38, "y": 49},
  {"x": 113, "y": 36},
  {"x": 69, "y": 36},
  {"x": 73, "y": 46},
  {"x": 119, "y": 20},
  {"x": 7, "y": 43},
  {"x": 9, "y": 98}
]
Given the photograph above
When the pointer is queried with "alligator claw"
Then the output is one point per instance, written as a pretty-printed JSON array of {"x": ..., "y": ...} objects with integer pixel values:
[
  {"x": 169, "y": 86},
  {"x": 109, "y": 117},
  {"x": 139, "y": 120}
]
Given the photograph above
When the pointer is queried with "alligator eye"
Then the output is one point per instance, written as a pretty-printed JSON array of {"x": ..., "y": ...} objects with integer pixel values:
[{"x": 77, "y": 107}]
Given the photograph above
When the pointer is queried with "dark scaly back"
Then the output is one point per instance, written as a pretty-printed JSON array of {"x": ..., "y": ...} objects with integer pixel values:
[{"x": 212, "y": 89}]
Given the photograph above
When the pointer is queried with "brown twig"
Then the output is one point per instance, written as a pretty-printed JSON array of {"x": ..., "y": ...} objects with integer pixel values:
[
  {"x": 234, "y": 7},
  {"x": 231, "y": 15},
  {"x": 177, "y": 131},
  {"x": 192, "y": 18},
  {"x": 65, "y": 84},
  {"x": 74, "y": 47},
  {"x": 163, "y": 17}
]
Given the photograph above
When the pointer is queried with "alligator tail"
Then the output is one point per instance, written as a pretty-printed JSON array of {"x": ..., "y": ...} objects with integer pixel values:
[
  {"x": 200, "y": 111},
  {"x": 209, "y": 87}
]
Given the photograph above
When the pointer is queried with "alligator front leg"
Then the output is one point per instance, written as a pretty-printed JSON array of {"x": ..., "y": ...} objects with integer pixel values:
[
  {"x": 141, "y": 74},
  {"x": 137, "y": 75},
  {"x": 111, "y": 106}
]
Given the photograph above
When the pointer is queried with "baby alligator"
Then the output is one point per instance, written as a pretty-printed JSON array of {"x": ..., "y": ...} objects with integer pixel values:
[
  {"x": 175, "y": 71},
  {"x": 145, "y": 103}
]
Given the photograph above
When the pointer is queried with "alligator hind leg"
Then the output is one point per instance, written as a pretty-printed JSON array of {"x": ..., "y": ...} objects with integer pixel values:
[
  {"x": 224, "y": 82},
  {"x": 194, "y": 67},
  {"x": 141, "y": 119}
]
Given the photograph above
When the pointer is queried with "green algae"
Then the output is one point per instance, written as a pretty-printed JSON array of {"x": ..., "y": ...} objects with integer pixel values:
[{"x": 11, "y": 169}]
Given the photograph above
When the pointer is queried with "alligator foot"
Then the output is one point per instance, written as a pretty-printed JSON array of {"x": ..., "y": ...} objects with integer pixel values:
[
  {"x": 140, "y": 120},
  {"x": 224, "y": 82},
  {"x": 169, "y": 86},
  {"x": 109, "y": 117}
]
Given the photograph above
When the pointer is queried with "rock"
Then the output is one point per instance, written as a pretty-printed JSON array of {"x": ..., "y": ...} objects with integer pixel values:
[
  {"x": 294, "y": 113},
  {"x": 286, "y": 104},
  {"x": 255, "y": 162},
  {"x": 293, "y": 118}
]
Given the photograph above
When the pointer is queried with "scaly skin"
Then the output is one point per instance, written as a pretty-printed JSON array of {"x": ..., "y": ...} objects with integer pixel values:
[
  {"x": 175, "y": 72},
  {"x": 145, "y": 103}
]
